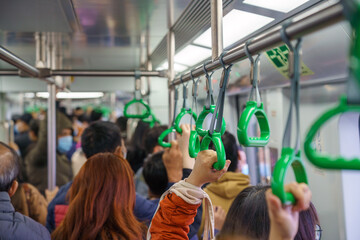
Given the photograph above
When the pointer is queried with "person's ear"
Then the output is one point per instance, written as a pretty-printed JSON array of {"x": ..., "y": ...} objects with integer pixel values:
[
  {"x": 119, "y": 152},
  {"x": 157, "y": 148},
  {"x": 13, "y": 188}
]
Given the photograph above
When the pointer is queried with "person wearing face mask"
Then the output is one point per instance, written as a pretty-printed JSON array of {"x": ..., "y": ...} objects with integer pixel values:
[
  {"x": 22, "y": 139},
  {"x": 36, "y": 159}
]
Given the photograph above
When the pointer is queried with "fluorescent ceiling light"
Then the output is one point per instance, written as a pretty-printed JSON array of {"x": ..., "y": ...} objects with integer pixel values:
[
  {"x": 277, "y": 5},
  {"x": 177, "y": 67},
  {"x": 72, "y": 95},
  {"x": 191, "y": 55},
  {"x": 237, "y": 24}
]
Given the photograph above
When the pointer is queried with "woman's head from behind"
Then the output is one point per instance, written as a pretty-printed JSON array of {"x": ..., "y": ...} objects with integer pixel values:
[
  {"x": 248, "y": 217},
  {"x": 102, "y": 199}
]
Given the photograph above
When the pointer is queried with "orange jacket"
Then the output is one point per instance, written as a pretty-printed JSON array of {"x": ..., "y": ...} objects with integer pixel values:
[{"x": 173, "y": 218}]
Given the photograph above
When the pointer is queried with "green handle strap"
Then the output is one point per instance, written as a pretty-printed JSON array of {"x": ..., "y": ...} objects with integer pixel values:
[
  {"x": 162, "y": 136},
  {"x": 199, "y": 122},
  {"x": 321, "y": 160},
  {"x": 145, "y": 114},
  {"x": 215, "y": 137},
  {"x": 194, "y": 144},
  {"x": 243, "y": 125},
  {"x": 178, "y": 118},
  {"x": 287, "y": 158},
  {"x": 151, "y": 120}
]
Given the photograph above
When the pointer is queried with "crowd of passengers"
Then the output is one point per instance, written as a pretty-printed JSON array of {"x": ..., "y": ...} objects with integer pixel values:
[{"x": 113, "y": 186}]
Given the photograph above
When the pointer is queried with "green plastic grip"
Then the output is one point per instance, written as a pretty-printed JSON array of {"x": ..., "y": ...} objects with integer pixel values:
[
  {"x": 161, "y": 141},
  {"x": 194, "y": 144},
  {"x": 219, "y": 148},
  {"x": 178, "y": 118},
  {"x": 199, "y": 122},
  {"x": 321, "y": 160},
  {"x": 250, "y": 110},
  {"x": 151, "y": 120},
  {"x": 145, "y": 113},
  {"x": 288, "y": 157}
]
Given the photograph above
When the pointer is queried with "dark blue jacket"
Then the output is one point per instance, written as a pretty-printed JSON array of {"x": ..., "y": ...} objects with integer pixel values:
[{"x": 14, "y": 225}]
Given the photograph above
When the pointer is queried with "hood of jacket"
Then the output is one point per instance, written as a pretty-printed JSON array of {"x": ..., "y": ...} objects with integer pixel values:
[{"x": 229, "y": 185}]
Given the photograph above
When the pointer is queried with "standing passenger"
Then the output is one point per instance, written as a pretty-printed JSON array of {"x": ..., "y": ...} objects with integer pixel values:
[
  {"x": 102, "y": 199},
  {"x": 14, "y": 225}
]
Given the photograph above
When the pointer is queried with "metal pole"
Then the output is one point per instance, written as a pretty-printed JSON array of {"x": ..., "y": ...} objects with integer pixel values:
[
  {"x": 9, "y": 72},
  {"x": 216, "y": 28},
  {"x": 14, "y": 60},
  {"x": 314, "y": 22},
  {"x": 51, "y": 137},
  {"x": 171, "y": 54},
  {"x": 105, "y": 73}
]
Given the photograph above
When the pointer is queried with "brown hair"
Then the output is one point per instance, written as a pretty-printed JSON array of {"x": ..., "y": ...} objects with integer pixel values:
[{"x": 102, "y": 199}]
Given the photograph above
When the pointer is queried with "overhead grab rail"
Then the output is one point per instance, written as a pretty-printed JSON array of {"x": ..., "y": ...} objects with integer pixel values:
[
  {"x": 301, "y": 27},
  {"x": 214, "y": 133},
  {"x": 184, "y": 110},
  {"x": 171, "y": 129},
  {"x": 290, "y": 156},
  {"x": 253, "y": 108},
  {"x": 137, "y": 100},
  {"x": 349, "y": 103}
]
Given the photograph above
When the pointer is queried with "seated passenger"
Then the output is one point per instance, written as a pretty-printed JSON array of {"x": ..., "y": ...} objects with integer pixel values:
[
  {"x": 36, "y": 159},
  {"x": 223, "y": 191},
  {"x": 14, "y": 225},
  {"x": 102, "y": 198},
  {"x": 177, "y": 208}
]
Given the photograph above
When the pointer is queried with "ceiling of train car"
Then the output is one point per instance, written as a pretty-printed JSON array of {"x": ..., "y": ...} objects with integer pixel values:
[{"x": 96, "y": 34}]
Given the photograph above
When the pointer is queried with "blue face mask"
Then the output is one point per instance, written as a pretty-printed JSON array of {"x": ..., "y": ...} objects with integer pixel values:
[
  {"x": 16, "y": 131},
  {"x": 64, "y": 144},
  {"x": 245, "y": 169}
]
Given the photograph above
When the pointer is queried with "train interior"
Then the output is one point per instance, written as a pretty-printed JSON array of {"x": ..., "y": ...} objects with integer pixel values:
[{"x": 128, "y": 35}]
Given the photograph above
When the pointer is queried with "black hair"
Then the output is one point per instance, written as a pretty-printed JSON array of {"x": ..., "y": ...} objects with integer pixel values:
[
  {"x": 34, "y": 126},
  {"x": 84, "y": 118},
  {"x": 151, "y": 138},
  {"x": 78, "y": 108},
  {"x": 9, "y": 170},
  {"x": 136, "y": 151},
  {"x": 231, "y": 150},
  {"x": 248, "y": 216},
  {"x": 95, "y": 115},
  {"x": 121, "y": 122},
  {"x": 100, "y": 137},
  {"x": 155, "y": 174},
  {"x": 26, "y": 118}
]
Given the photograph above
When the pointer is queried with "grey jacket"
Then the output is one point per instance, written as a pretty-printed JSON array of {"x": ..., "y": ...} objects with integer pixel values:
[{"x": 14, "y": 225}]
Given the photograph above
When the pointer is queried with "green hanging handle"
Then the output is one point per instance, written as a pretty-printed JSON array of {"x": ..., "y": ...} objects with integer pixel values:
[
  {"x": 171, "y": 128},
  {"x": 288, "y": 158},
  {"x": 137, "y": 100},
  {"x": 214, "y": 132},
  {"x": 215, "y": 138},
  {"x": 200, "y": 121},
  {"x": 145, "y": 114},
  {"x": 321, "y": 160},
  {"x": 194, "y": 140},
  {"x": 152, "y": 120},
  {"x": 184, "y": 110},
  {"x": 253, "y": 108},
  {"x": 250, "y": 110},
  {"x": 163, "y": 135}
]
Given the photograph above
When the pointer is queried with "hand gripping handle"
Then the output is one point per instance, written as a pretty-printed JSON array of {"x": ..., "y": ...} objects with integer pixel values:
[{"x": 219, "y": 148}]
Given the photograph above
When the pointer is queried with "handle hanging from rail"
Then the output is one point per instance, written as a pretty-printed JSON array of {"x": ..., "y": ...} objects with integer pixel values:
[
  {"x": 194, "y": 140},
  {"x": 253, "y": 108},
  {"x": 171, "y": 129},
  {"x": 137, "y": 100},
  {"x": 151, "y": 120},
  {"x": 208, "y": 108},
  {"x": 214, "y": 132},
  {"x": 349, "y": 103},
  {"x": 290, "y": 156},
  {"x": 184, "y": 110}
]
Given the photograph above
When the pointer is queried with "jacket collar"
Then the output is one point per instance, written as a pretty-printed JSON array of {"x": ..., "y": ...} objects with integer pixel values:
[{"x": 5, "y": 203}]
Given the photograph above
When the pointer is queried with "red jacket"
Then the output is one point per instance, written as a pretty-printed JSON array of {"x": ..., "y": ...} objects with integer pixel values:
[{"x": 173, "y": 218}]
